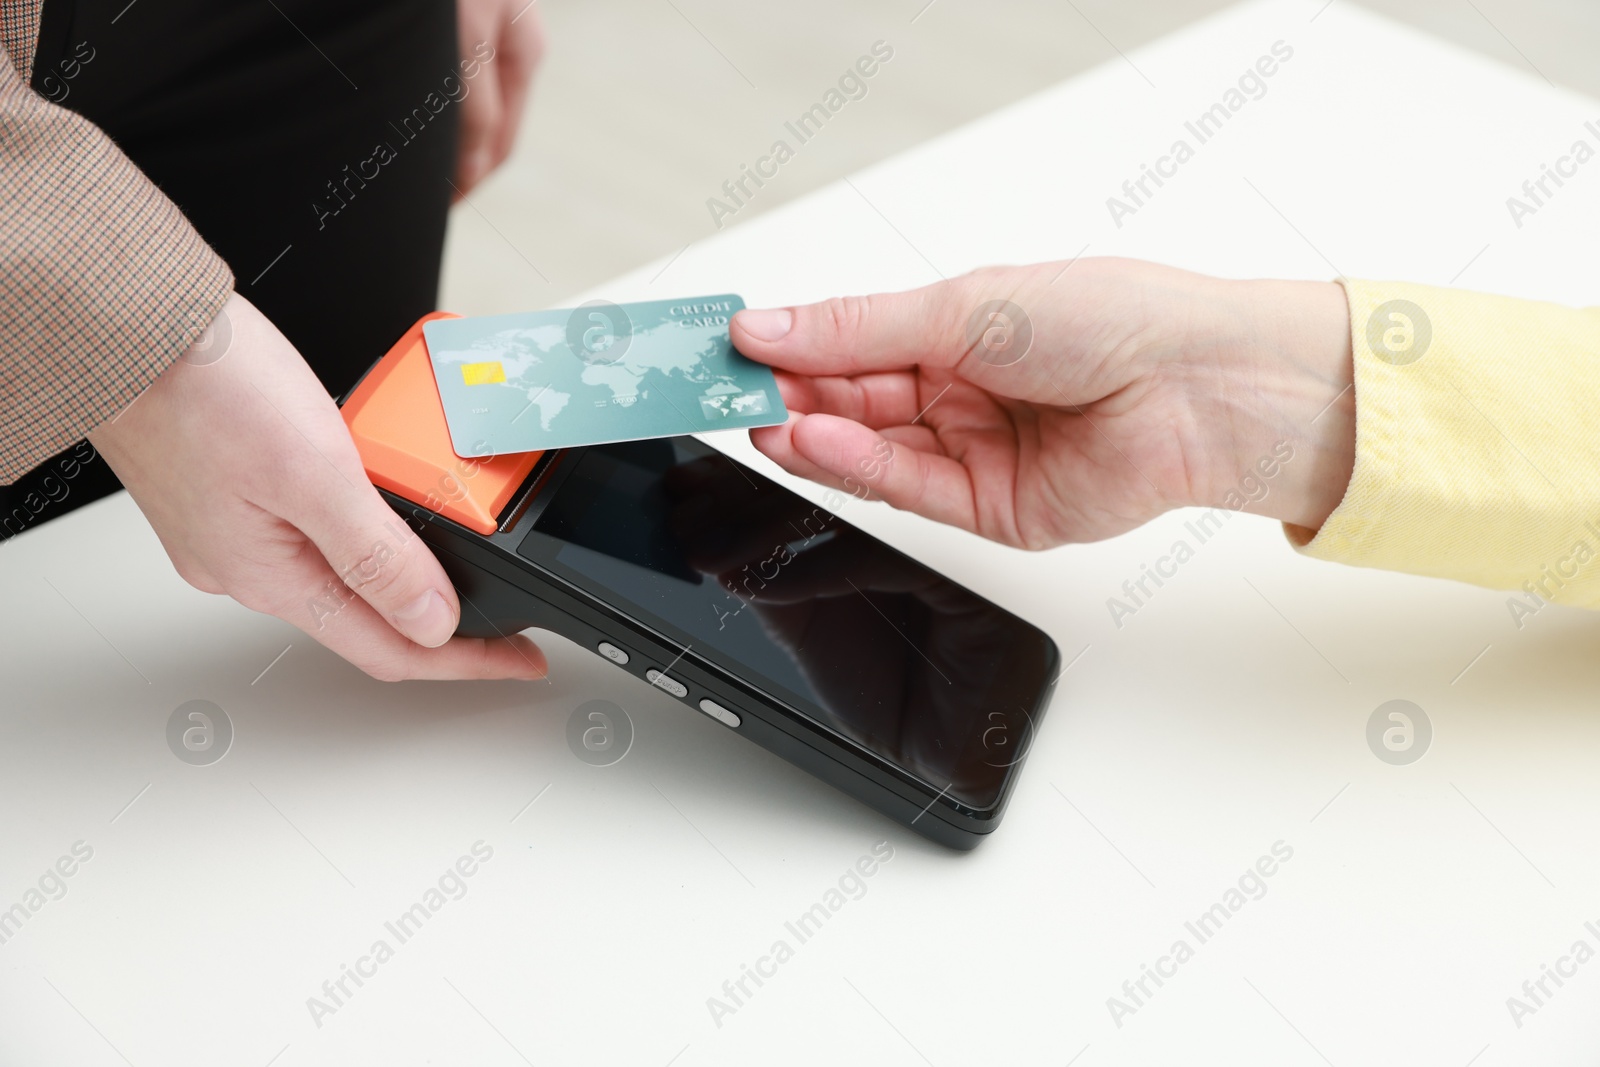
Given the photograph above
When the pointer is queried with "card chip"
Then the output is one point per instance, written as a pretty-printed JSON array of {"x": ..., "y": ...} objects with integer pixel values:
[{"x": 482, "y": 373}]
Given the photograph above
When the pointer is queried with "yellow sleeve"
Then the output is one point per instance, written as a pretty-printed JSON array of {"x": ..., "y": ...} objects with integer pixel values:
[{"x": 1477, "y": 443}]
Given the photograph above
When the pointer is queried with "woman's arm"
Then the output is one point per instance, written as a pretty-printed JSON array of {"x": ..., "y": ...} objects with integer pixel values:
[{"x": 1398, "y": 426}]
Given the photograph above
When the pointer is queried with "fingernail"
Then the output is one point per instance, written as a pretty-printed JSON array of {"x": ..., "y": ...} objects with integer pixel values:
[
  {"x": 427, "y": 620},
  {"x": 767, "y": 325}
]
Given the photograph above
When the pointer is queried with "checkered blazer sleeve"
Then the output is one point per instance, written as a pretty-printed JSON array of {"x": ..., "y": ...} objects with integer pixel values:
[{"x": 103, "y": 282}]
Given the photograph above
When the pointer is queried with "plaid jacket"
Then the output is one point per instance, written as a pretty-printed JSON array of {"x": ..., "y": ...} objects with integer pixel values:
[{"x": 103, "y": 282}]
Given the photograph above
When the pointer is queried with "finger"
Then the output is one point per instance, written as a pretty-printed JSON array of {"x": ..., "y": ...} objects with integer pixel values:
[
  {"x": 777, "y": 444},
  {"x": 514, "y": 657},
  {"x": 932, "y": 485},
  {"x": 854, "y": 334},
  {"x": 480, "y": 119},
  {"x": 918, "y": 437},
  {"x": 884, "y": 398},
  {"x": 520, "y": 49},
  {"x": 344, "y": 623},
  {"x": 371, "y": 550}
]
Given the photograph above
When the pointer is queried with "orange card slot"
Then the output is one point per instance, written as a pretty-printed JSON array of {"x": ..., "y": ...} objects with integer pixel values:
[{"x": 397, "y": 420}]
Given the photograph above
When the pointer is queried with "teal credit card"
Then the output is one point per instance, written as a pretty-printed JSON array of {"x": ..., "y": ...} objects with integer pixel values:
[{"x": 597, "y": 373}]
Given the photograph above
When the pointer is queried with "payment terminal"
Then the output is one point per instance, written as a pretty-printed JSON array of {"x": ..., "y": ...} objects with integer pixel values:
[{"x": 741, "y": 600}]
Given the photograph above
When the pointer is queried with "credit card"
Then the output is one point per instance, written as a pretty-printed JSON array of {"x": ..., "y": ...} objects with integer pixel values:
[{"x": 595, "y": 374}]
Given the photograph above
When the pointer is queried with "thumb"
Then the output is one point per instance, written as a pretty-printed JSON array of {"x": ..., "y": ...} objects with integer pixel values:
[
  {"x": 384, "y": 562},
  {"x": 519, "y": 54},
  {"x": 852, "y": 334},
  {"x": 481, "y": 117}
]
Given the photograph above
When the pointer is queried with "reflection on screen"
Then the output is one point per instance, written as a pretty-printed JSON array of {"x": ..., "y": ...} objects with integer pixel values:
[{"x": 799, "y": 603}]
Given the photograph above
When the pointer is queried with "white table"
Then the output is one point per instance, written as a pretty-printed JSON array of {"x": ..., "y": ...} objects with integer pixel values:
[{"x": 1218, "y": 721}]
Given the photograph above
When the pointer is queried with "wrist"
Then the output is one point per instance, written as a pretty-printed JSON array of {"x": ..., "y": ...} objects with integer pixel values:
[
  {"x": 1280, "y": 379},
  {"x": 1311, "y": 346},
  {"x": 214, "y": 341}
]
